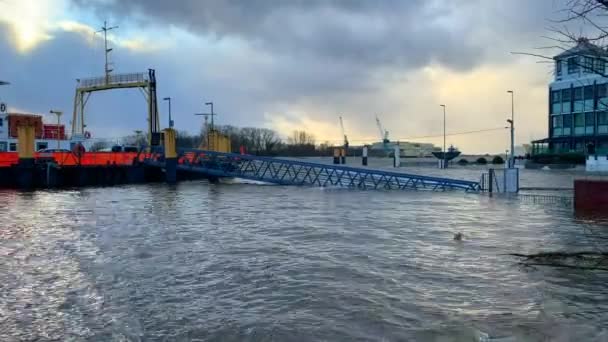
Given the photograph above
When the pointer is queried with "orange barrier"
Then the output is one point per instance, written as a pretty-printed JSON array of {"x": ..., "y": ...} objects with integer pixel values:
[{"x": 69, "y": 159}]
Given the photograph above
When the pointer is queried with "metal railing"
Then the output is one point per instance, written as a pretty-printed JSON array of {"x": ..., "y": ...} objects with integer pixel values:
[
  {"x": 113, "y": 80},
  {"x": 295, "y": 172}
]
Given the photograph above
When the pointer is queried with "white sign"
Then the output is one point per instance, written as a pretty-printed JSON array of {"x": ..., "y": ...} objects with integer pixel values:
[{"x": 2, "y": 107}]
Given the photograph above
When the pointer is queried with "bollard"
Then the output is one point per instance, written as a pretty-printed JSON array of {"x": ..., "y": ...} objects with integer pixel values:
[
  {"x": 364, "y": 158},
  {"x": 336, "y": 156},
  {"x": 25, "y": 149},
  {"x": 170, "y": 156},
  {"x": 343, "y": 156},
  {"x": 397, "y": 157},
  {"x": 591, "y": 198}
]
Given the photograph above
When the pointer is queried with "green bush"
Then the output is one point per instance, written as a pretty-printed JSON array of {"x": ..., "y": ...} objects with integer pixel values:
[
  {"x": 463, "y": 162},
  {"x": 559, "y": 158},
  {"x": 482, "y": 161},
  {"x": 498, "y": 160}
]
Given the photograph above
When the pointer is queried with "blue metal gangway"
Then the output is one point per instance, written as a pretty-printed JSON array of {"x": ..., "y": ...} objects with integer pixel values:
[{"x": 304, "y": 173}]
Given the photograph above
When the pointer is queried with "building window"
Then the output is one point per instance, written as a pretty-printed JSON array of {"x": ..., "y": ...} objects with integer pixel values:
[
  {"x": 567, "y": 124},
  {"x": 566, "y": 100},
  {"x": 600, "y": 66},
  {"x": 602, "y": 122},
  {"x": 588, "y": 64},
  {"x": 557, "y": 125},
  {"x": 578, "y": 99},
  {"x": 579, "y": 124},
  {"x": 42, "y": 146},
  {"x": 573, "y": 65},
  {"x": 12, "y": 147},
  {"x": 589, "y": 123},
  {"x": 1, "y": 122},
  {"x": 556, "y": 102},
  {"x": 588, "y": 94},
  {"x": 602, "y": 96},
  {"x": 558, "y": 68}
]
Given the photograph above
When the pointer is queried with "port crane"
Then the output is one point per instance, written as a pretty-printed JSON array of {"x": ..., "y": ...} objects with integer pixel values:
[
  {"x": 383, "y": 132},
  {"x": 344, "y": 134}
]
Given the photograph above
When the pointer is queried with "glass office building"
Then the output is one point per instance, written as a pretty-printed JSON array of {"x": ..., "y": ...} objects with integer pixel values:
[{"x": 578, "y": 102}]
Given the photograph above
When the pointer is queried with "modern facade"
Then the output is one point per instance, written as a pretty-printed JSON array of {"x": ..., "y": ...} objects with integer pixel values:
[{"x": 578, "y": 102}]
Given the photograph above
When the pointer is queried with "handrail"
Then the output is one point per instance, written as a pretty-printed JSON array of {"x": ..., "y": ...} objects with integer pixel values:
[
  {"x": 337, "y": 167},
  {"x": 113, "y": 79}
]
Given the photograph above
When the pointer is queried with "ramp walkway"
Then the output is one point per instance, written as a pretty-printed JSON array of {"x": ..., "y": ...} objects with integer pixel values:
[{"x": 303, "y": 173}]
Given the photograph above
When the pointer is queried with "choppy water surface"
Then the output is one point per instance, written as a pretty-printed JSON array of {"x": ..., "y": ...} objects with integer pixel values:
[{"x": 259, "y": 263}]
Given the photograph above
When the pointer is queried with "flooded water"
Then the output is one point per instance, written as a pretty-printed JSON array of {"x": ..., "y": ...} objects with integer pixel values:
[{"x": 238, "y": 262}]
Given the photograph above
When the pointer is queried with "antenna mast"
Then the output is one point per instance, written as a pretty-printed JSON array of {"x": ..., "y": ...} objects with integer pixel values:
[{"x": 107, "y": 50}]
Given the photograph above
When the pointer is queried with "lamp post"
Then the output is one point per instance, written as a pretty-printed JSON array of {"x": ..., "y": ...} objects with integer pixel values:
[
  {"x": 212, "y": 114},
  {"x": 168, "y": 99},
  {"x": 512, "y": 122},
  {"x": 58, "y": 113},
  {"x": 444, "y": 151}
]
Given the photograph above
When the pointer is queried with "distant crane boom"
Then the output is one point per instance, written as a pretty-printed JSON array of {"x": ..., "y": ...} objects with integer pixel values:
[
  {"x": 383, "y": 132},
  {"x": 343, "y": 133}
]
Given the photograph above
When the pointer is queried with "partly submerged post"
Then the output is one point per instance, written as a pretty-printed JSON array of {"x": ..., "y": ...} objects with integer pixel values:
[
  {"x": 342, "y": 156},
  {"x": 25, "y": 147},
  {"x": 397, "y": 157},
  {"x": 336, "y": 156},
  {"x": 364, "y": 157},
  {"x": 591, "y": 197},
  {"x": 170, "y": 156}
]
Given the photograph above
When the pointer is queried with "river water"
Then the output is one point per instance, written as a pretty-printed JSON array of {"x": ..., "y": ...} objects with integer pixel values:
[{"x": 244, "y": 262}]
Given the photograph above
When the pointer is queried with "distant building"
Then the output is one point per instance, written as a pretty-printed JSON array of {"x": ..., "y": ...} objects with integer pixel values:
[
  {"x": 407, "y": 149},
  {"x": 578, "y": 102}
]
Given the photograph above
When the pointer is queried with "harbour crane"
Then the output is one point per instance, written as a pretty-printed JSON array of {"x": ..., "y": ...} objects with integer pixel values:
[
  {"x": 344, "y": 134},
  {"x": 383, "y": 132}
]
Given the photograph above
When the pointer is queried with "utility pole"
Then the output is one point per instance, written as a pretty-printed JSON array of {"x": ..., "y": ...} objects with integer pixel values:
[
  {"x": 444, "y": 151},
  {"x": 107, "y": 50},
  {"x": 212, "y": 114},
  {"x": 170, "y": 120},
  {"x": 512, "y": 122},
  {"x": 58, "y": 113}
]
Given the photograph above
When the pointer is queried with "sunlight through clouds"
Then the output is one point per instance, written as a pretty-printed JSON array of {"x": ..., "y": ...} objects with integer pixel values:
[{"x": 30, "y": 21}]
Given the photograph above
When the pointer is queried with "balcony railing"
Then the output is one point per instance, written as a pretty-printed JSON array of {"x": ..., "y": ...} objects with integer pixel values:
[{"x": 113, "y": 80}]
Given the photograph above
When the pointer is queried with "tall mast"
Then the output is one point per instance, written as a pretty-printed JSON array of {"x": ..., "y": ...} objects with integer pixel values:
[{"x": 107, "y": 50}]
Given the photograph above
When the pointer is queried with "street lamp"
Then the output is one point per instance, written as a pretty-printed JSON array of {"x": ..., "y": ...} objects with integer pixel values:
[
  {"x": 212, "y": 114},
  {"x": 512, "y": 122},
  {"x": 58, "y": 113},
  {"x": 168, "y": 99},
  {"x": 444, "y": 151}
]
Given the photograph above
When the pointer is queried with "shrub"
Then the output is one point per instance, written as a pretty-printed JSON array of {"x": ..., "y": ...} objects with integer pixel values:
[
  {"x": 559, "y": 158},
  {"x": 498, "y": 160},
  {"x": 482, "y": 161},
  {"x": 463, "y": 162}
]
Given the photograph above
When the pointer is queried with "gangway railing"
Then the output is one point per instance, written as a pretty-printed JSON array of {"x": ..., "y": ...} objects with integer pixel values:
[
  {"x": 117, "y": 79},
  {"x": 297, "y": 172}
]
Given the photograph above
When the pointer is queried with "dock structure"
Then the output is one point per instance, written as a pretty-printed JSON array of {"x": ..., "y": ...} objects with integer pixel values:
[
  {"x": 303, "y": 173},
  {"x": 144, "y": 81}
]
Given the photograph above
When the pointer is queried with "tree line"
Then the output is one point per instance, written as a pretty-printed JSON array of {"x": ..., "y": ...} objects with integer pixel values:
[{"x": 254, "y": 140}]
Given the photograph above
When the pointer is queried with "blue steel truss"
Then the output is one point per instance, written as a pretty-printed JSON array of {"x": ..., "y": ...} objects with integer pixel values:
[{"x": 297, "y": 172}]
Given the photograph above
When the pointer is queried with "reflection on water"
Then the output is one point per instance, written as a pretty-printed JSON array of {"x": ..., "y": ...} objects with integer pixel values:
[{"x": 248, "y": 262}]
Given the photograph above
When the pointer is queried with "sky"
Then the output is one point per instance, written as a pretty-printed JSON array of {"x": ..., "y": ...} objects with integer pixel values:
[{"x": 288, "y": 65}]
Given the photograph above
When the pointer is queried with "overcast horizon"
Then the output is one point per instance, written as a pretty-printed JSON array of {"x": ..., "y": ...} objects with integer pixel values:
[{"x": 290, "y": 65}]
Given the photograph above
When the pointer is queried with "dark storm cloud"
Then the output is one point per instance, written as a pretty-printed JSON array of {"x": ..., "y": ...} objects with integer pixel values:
[{"x": 407, "y": 34}]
